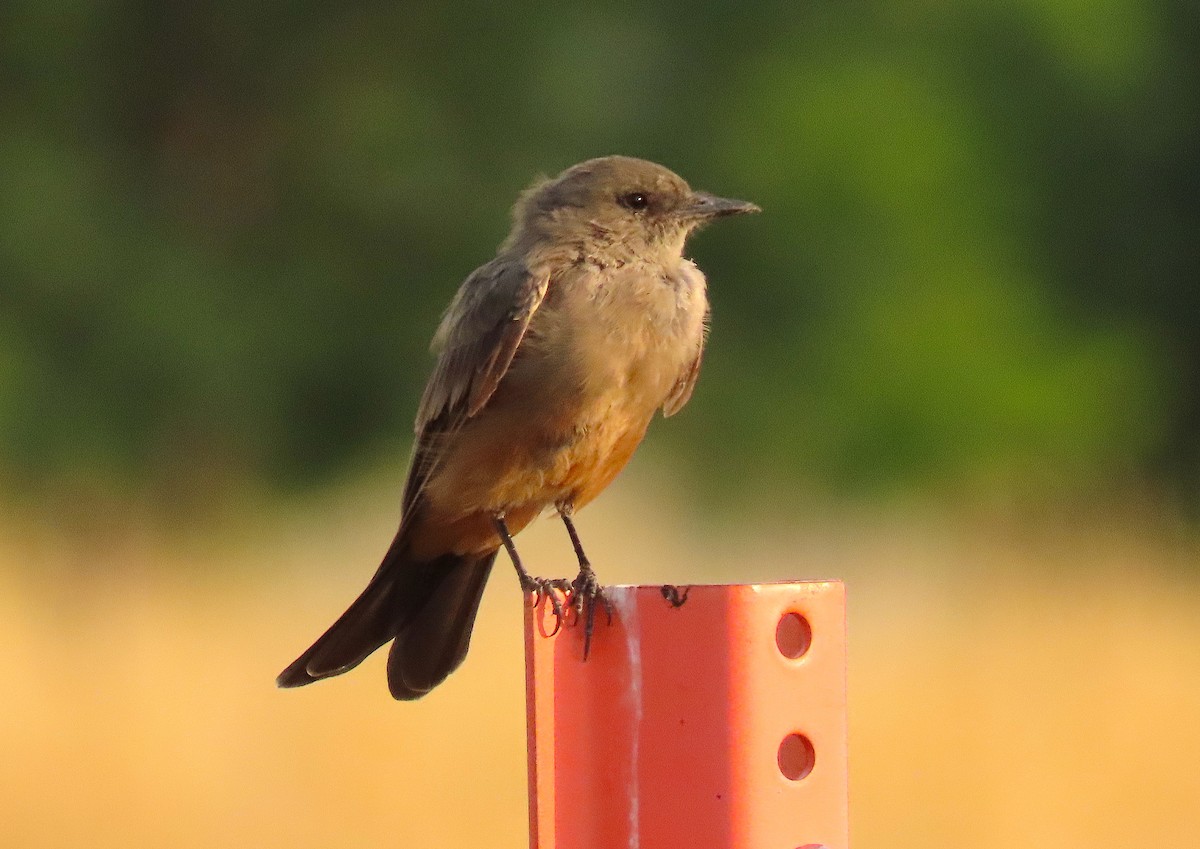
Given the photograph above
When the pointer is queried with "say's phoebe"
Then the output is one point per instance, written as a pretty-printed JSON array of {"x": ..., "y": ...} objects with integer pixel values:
[{"x": 553, "y": 359}]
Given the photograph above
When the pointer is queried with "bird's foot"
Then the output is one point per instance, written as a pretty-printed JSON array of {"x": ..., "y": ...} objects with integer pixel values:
[
  {"x": 549, "y": 589},
  {"x": 586, "y": 593}
]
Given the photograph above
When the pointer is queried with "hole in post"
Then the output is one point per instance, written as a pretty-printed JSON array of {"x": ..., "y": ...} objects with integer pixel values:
[
  {"x": 793, "y": 635},
  {"x": 796, "y": 756}
]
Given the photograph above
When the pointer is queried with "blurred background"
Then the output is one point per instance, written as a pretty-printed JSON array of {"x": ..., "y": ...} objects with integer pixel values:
[{"x": 956, "y": 362}]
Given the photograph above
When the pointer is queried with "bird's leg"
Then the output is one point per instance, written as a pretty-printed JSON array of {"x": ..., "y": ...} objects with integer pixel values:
[
  {"x": 538, "y": 587},
  {"x": 585, "y": 589}
]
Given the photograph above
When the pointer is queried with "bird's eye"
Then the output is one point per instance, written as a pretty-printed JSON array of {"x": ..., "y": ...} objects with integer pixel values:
[{"x": 637, "y": 201}]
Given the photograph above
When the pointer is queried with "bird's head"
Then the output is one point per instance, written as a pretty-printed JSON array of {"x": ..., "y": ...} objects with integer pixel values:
[{"x": 619, "y": 203}]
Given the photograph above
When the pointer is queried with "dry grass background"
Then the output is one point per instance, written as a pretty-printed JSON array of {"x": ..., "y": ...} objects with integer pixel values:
[{"x": 1010, "y": 685}]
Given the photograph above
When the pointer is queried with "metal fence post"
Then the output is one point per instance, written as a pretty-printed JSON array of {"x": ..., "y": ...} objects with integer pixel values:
[{"x": 715, "y": 719}]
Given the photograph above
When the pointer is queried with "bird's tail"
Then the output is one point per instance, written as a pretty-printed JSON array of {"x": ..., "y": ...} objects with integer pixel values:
[{"x": 427, "y": 609}]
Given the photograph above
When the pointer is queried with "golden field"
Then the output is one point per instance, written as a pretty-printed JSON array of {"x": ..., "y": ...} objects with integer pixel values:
[{"x": 1009, "y": 685}]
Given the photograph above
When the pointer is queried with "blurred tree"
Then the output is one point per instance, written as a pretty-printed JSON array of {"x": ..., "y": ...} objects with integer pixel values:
[{"x": 226, "y": 232}]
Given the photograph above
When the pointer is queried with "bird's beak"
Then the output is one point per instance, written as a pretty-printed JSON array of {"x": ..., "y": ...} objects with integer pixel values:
[{"x": 705, "y": 206}]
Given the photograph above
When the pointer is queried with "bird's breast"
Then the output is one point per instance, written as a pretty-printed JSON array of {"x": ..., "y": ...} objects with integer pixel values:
[
  {"x": 623, "y": 335},
  {"x": 600, "y": 357}
]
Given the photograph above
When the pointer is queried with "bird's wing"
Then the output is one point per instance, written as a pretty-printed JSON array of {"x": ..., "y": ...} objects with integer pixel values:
[
  {"x": 682, "y": 391},
  {"x": 476, "y": 342}
]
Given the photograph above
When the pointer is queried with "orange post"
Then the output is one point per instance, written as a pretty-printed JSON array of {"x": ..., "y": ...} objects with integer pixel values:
[{"x": 714, "y": 723}]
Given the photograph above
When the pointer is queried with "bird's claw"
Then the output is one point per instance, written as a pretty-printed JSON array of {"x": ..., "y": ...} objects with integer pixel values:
[
  {"x": 549, "y": 589},
  {"x": 586, "y": 592}
]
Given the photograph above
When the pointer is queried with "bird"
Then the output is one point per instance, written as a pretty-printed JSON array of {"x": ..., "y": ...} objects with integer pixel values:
[{"x": 552, "y": 360}]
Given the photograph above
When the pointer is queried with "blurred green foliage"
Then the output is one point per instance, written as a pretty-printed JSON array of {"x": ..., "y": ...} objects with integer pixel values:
[{"x": 227, "y": 230}]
